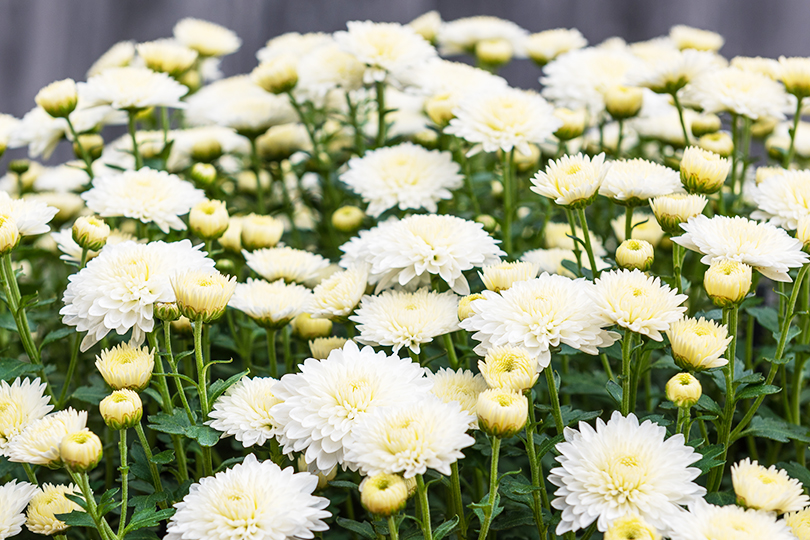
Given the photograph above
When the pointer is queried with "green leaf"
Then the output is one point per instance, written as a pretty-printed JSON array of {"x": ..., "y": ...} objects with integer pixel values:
[
  {"x": 615, "y": 391},
  {"x": 546, "y": 446},
  {"x": 108, "y": 501},
  {"x": 205, "y": 435},
  {"x": 342, "y": 484},
  {"x": 721, "y": 498},
  {"x": 7, "y": 322},
  {"x": 56, "y": 335},
  {"x": 364, "y": 529},
  {"x": 708, "y": 461},
  {"x": 173, "y": 424},
  {"x": 219, "y": 386},
  {"x": 707, "y": 404},
  {"x": 77, "y": 518},
  {"x": 167, "y": 456},
  {"x": 445, "y": 528},
  {"x": 148, "y": 517},
  {"x": 11, "y": 368},
  {"x": 480, "y": 508},
  {"x": 91, "y": 394},
  {"x": 517, "y": 489},
  {"x": 574, "y": 416},
  {"x": 796, "y": 471},
  {"x": 758, "y": 390},
  {"x": 766, "y": 316},
  {"x": 775, "y": 429}
]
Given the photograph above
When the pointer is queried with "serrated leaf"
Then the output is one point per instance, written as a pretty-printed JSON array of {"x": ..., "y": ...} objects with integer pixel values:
[
  {"x": 342, "y": 484},
  {"x": 766, "y": 316},
  {"x": 721, "y": 498},
  {"x": 775, "y": 429},
  {"x": 11, "y": 368},
  {"x": 614, "y": 391},
  {"x": 708, "y": 461},
  {"x": 205, "y": 435},
  {"x": 758, "y": 390},
  {"x": 364, "y": 529},
  {"x": 8, "y": 322},
  {"x": 708, "y": 404},
  {"x": 173, "y": 424},
  {"x": 479, "y": 509},
  {"x": 445, "y": 528},
  {"x": 220, "y": 386},
  {"x": 546, "y": 446},
  {"x": 148, "y": 517},
  {"x": 167, "y": 456},
  {"x": 796, "y": 471},
  {"x": 56, "y": 335},
  {"x": 77, "y": 518},
  {"x": 90, "y": 394}
]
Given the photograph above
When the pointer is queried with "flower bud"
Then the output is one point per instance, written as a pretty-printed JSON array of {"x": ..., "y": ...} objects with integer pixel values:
[
  {"x": 226, "y": 266},
  {"x": 126, "y": 366},
  {"x": 489, "y": 222},
  {"x": 203, "y": 174},
  {"x": 49, "y": 501},
  {"x": 191, "y": 79},
  {"x": 427, "y": 138},
  {"x": 348, "y": 218},
  {"x": 573, "y": 123},
  {"x": 182, "y": 326},
  {"x": 465, "y": 310},
  {"x": 19, "y": 166},
  {"x": 502, "y": 413},
  {"x": 672, "y": 210},
  {"x": 90, "y": 232},
  {"x": 525, "y": 162},
  {"x": 635, "y": 254},
  {"x": 277, "y": 75},
  {"x": 439, "y": 108},
  {"x": 58, "y": 98},
  {"x": 93, "y": 144},
  {"x": 777, "y": 147},
  {"x": 206, "y": 150},
  {"x": 306, "y": 326},
  {"x": 320, "y": 348},
  {"x": 509, "y": 368},
  {"x": 494, "y": 52},
  {"x": 795, "y": 75},
  {"x": 499, "y": 277},
  {"x": 202, "y": 296},
  {"x": 122, "y": 409},
  {"x": 720, "y": 143},
  {"x": 9, "y": 234},
  {"x": 763, "y": 173},
  {"x": 166, "y": 311},
  {"x": 763, "y": 126},
  {"x": 623, "y": 102},
  {"x": 81, "y": 450},
  {"x": 727, "y": 282},
  {"x": 281, "y": 141},
  {"x": 260, "y": 231},
  {"x": 703, "y": 171},
  {"x": 208, "y": 219},
  {"x": 706, "y": 123},
  {"x": 427, "y": 25},
  {"x": 684, "y": 390},
  {"x": 384, "y": 494},
  {"x": 631, "y": 527},
  {"x": 167, "y": 56}
]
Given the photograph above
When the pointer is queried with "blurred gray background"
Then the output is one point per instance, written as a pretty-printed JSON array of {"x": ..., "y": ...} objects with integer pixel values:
[{"x": 46, "y": 40}]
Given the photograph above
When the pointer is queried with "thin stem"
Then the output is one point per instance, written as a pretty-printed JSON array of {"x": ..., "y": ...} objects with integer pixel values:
[
  {"x": 421, "y": 490},
  {"x": 163, "y": 385},
  {"x": 534, "y": 466},
  {"x": 796, "y": 118},
  {"x": 153, "y": 470},
  {"x": 271, "y": 352},
  {"x": 508, "y": 199},
  {"x": 451, "y": 351},
  {"x": 493, "y": 488},
  {"x": 81, "y": 480},
  {"x": 203, "y": 392},
  {"x": 628, "y": 222},
  {"x": 555, "y": 399},
  {"x": 359, "y": 138},
  {"x": 458, "y": 504},
  {"x": 29, "y": 472},
  {"x": 680, "y": 117},
  {"x": 381, "y": 112},
  {"x": 606, "y": 366},
  {"x": 124, "y": 469},
  {"x": 627, "y": 353},
  {"x": 730, "y": 316},
  {"x": 583, "y": 223},
  {"x": 88, "y": 163},
  {"x": 181, "y": 390},
  {"x": 256, "y": 165},
  {"x": 289, "y": 365},
  {"x": 135, "y": 152},
  {"x": 74, "y": 356},
  {"x": 619, "y": 139},
  {"x": 164, "y": 124},
  {"x": 677, "y": 265},
  {"x": 573, "y": 225},
  {"x": 393, "y": 528}
]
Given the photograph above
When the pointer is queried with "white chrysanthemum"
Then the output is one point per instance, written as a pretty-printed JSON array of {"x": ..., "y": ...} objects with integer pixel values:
[
  {"x": 327, "y": 67},
  {"x": 132, "y": 88},
  {"x": 783, "y": 199},
  {"x": 670, "y": 74},
  {"x": 185, "y": 141},
  {"x": 636, "y": 301},
  {"x": 385, "y": 48},
  {"x": 167, "y": 56},
  {"x": 571, "y": 180},
  {"x": 148, "y": 195},
  {"x": 30, "y": 216},
  {"x": 406, "y": 176},
  {"x": 323, "y": 403},
  {"x": 760, "y": 245},
  {"x": 48, "y": 501},
  {"x": 579, "y": 79},
  {"x": 271, "y": 304},
  {"x": 462, "y": 386},
  {"x": 67, "y": 204},
  {"x": 405, "y": 319},
  {"x": 709, "y": 522},
  {"x": 251, "y": 501},
  {"x": 205, "y": 37},
  {"x": 38, "y": 443},
  {"x": 69, "y": 176},
  {"x": 8, "y": 124},
  {"x": 117, "y": 289},
  {"x": 338, "y": 295},
  {"x": 799, "y": 523},
  {"x": 547, "y": 45},
  {"x": 14, "y": 497},
  {"x": 244, "y": 411},
  {"x": 633, "y": 181},
  {"x": 292, "y": 43},
  {"x": 72, "y": 252},
  {"x": 501, "y": 276},
  {"x": 410, "y": 439},
  {"x": 558, "y": 235},
  {"x": 454, "y": 80},
  {"x": 688, "y": 37},
  {"x": 770, "y": 490},
  {"x": 766, "y": 66},
  {"x": 119, "y": 55},
  {"x": 623, "y": 467},
  {"x": 285, "y": 263},
  {"x": 502, "y": 119},
  {"x": 21, "y": 403},
  {"x": 412, "y": 249},
  {"x": 462, "y": 35},
  {"x": 698, "y": 344},
  {"x": 537, "y": 315},
  {"x": 740, "y": 92},
  {"x": 551, "y": 260}
]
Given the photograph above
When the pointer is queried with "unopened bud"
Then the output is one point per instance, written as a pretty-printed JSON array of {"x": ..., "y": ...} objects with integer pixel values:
[
  {"x": 727, "y": 282},
  {"x": 502, "y": 413},
  {"x": 90, "y": 232},
  {"x": 635, "y": 254},
  {"x": 122, "y": 409},
  {"x": 465, "y": 310},
  {"x": 166, "y": 311},
  {"x": 58, "y": 98},
  {"x": 260, "y": 232},
  {"x": 81, "y": 450},
  {"x": 494, "y": 52},
  {"x": 573, "y": 123},
  {"x": 439, "y": 108},
  {"x": 306, "y": 326},
  {"x": 206, "y": 150},
  {"x": 19, "y": 166},
  {"x": 705, "y": 124},
  {"x": 204, "y": 174},
  {"x": 384, "y": 494},
  {"x": 93, "y": 144},
  {"x": 720, "y": 143},
  {"x": 277, "y": 75},
  {"x": 348, "y": 218},
  {"x": 9, "y": 235},
  {"x": 209, "y": 219},
  {"x": 623, "y": 102},
  {"x": 684, "y": 390}
]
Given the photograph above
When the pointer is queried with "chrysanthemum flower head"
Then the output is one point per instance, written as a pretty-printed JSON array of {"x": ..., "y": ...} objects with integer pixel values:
[
  {"x": 462, "y": 386},
  {"x": 571, "y": 180},
  {"x": 205, "y": 37},
  {"x": 740, "y": 92},
  {"x": 39, "y": 442},
  {"x": 698, "y": 344},
  {"x": 271, "y": 305},
  {"x": 48, "y": 501},
  {"x": 795, "y": 75},
  {"x": 320, "y": 348},
  {"x": 202, "y": 295},
  {"x": 783, "y": 199},
  {"x": 547, "y": 45},
  {"x": 623, "y": 467},
  {"x": 30, "y": 216},
  {"x": 123, "y": 409},
  {"x": 119, "y": 55},
  {"x": 21, "y": 403},
  {"x": 512, "y": 368},
  {"x": 244, "y": 411},
  {"x": 684, "y": 390},
  {"x": 632, "y": 182},
  {"x": 464, "y": 34},
  {"x": 702, "y": 171},
  {"x": 167, "y": 56},
  {"x": 634, "y": 253},
  {"x": 771, "y": 489},
  {"x": 384, "y": 494},
  {"x": 688, "y": 37},
  {"x": 502, "y": 412},
  {"x": 337, "y": 296},
  {"x": 132, "y": 88},
  {"x": 501, "y": 276},
  {"x": 672, "y": 210},
  {"x": 286, "y": 263},
  {"x": 631, "y": 527},
  {"x": 799, "y": 523},
  {"x": 14, "y": 497},
  {"x": 126, "y": 366},
  {"x": 730, "y": 522}
]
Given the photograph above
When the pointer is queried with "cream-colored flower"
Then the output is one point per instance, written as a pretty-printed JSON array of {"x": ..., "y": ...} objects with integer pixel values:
[
  {"x": 289, "y": 264},
  {"x": 202, "y": 295},
  {"x": 571, "y": 180},
  {"x": 271, "y": 305},
  {"x": 90, "y": 232},
  {"x": 698, "y": 344},
  {"x": 119, "y": 55},
  {"x": 205, "y": 37},
  {"x": 672, "y": 210},
  {"x": 727, "y": 523},
  {"x": 799, "y": 523},
  {"x": 499, "y": 277},
  {"x": 327, "y": 67},
  {"x": 337, "y": 296},
  {"x": 547, "y": 45},
  {"x": 21, "y": 403},
  {"x": 38, "y": 443},
  {"x": 463, "y": 35},
  {"x": 632, "y": 182},
  {"x": 783, "y": 198},
  {"x": 50, "y": 500},
  {"x": 384, "y": 494},
  {"x": 122, "y": 409},
  {"x": 320, "y": 348},
  {"x": 255, "y": 232},
  {"x": 502, "y": 412},
  {"x": 278, "y": 74},
  {"x": 167, "y": 56},
  {"x": 509, "y": 367},
  {"x": 739, "y": 92},
  {"x": 702, "y": 171},
  {"x": 631, "y": 527},
  {"x": 635, "y": 253},
  {"x": 688, "y": 37},
  {"x": 795, "y": 75},
  {"x": 58, "y": 98},
  {"x": 645, "y": 227},
  {"x": 771, "y": 489},
  {"x": 13, "y": 499},
  {"x": 126, "y": 366},
  {"x": 683, "y": 390},
  {"x": 462, "y": 386},
  {"x": 208, "y": 219},
  {"x": 132, "y": 88},
  {"x": 244, "y": 411},
  {"x": 9, "y": 234}
]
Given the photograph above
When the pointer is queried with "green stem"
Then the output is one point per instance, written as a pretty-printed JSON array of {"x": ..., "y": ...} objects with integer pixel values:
[
  {"x": 88, "y": 163},
  {"x": 164, "y": 124},
  {"x": 606, "y": 366},
  {"x": 796, "y": 118},
  {"x": 29, "y": 472},
  {"x": 619, "y": 139},
  {"x": 135, "y": 152},
  {"x": 458, "y": 504},
  {"x": 555, "y": 399},
  {"x": 381, "y": 112},
  {"x": 153, "y": 470},
  {"x": 627, "y": 353},
  {"x": 628, "y": 222},
  {"x": 573, "y": 225},
  {"x": 256, "y": 165},
  {"x": 74, "y": 356},
  {"x": 393, "y": 528},
  {"x": 124, "y": 469},
  {"x": 583, "y": 223},
  {"x": 678, "y": 254},
  {"x": 271, "y": 352},
  {"x": 508, "y": 199},
  {"x": 421, "y": 490},
  {"x": 162, "y": 383},
  {"x": 102, "y": 526},
  {"x": 203, "y": 392},
  {"x": 289, "y": 365},
  {"x": 680, "y": 117},
  {"x": 493, "y": 488},
  {"x": 534, "y": 466},
  {"x": 359, "y": 138},
  {"x": 730, "y": 316},
  {"x": 181, "y": 390},
  {"x": 451, "y": 351}
]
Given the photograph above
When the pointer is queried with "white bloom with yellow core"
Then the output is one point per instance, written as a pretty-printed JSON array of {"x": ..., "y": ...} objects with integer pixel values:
[
  {"x": 493, "y": 52},
  {"x": 50, "y": 500},
  {"x": 252, "y": 500},
  {"x": 462, "y": 386},
  {"x": 782, "y": 199},
  {"x": 638, "y": 302},
  {"x": 622, "y": 102},
  {"x": 320, "y": 348},
  {"x": 205, "y": 37},
  {"x": 14, "y": 497},
  {"x": 244, "y": 411},
  {"x": 740, "y": 92},
  {"x": 90, "y": 232},
  {"x": 706, "y": 521},
  {"x": 323, "y": 404},
  {"x": 148, "y": 195},
  {"x": 122, "y": 409},
  {"x": 501, "y": 276},
  {"x": 167, "y": 56},
  {"x": 799, "y": 523},
  {"x": 547, "y": 45},
  {"x": 278, "y": 74},
  {"x": 385, "y": 48},
  {"x": 81, "y": 450},
  {"x": 126, "y": 366},
  {"x": 306, "y": 326},
  {"x": 289, "y": 264},
  {"x": 672, "y": 210},
  {"x": 209, "y": 219},
  {"x": 9, "y": 235},
  {"x": 406, "y": 176},
  {"x": 502, "y": 412},
  {"x": 795, "y": 75},
  {"x": 766, "y": 66},
  {"x": 427, "y": 24},
  {"x": 58, "y": 98},
  {"x": 684, "y": 390},
  {"x": 465, "y": 305},
  {"x": 338, "y": 295},
  {"x": 403, "y": 319},
  {"x": 703, "y": 171},
  {"x": 271, "y": 305},
  {"x": 635, "y": 253},
  {"x": 720, "y": 143},
  {"x": 727, "y": 282},
  {"x": 503, "y": 118},
  {"x": 119, "y": 55},
  {"x": 462, "y": 35},
  {"x": 558, "y": 235},
  {"x": 282, "y": 141},
  {"x": 645, "y": 227},
  {"x": 38, "y": 443},
  {"x": 256, "y": 232},
  {"x": 766, "y": 248},
  {"x": 132, "y": 89},
  {"x": 202, "y": 295},
  {"x": 510, "y": 368},
  {"x": 21, "y": 403},
  {"x": 30, "y": 216},
  {"x": 688, "y": 37},
  {"x": 770, "y": 490},
  {"x": 328, "y": 67},
  {"x": 537, "y": 315},
  {"x": 384, "y": 494},
  {"x": 293, "y": 42},
  {"x": 698, "y": 344},
  {"x": 623, "y": 467},
  {"x": 670, "y": 74},
  {"x": 632, "y": 182},
  {"x": 571, "y": 180},
  {"x": 410, "y": 439},
  {"x": 631, "y": 527}
]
